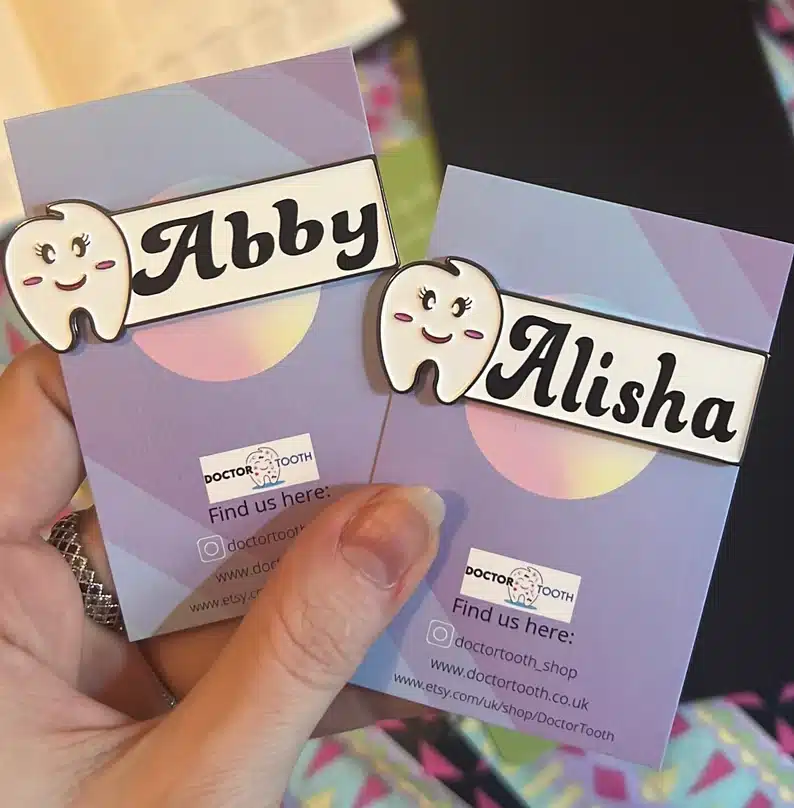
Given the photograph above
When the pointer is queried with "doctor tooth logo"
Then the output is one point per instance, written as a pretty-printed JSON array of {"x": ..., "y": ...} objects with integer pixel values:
[
  {"x": 261, "y": 467},
  {"x": 447, "y": 313},
  {"x": 73, "y": 259},
  {"x": 513, "y": 583}
]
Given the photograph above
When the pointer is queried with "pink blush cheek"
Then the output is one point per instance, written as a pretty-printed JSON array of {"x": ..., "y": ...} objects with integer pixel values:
[
  {"x": 34, "y": 281},
  {"x": 403, "y": 318},
  {"x": 472, "y": 334}
]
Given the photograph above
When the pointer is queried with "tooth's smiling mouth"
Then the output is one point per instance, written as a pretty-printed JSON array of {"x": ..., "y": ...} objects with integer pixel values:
[
  {"x": 72, "y": 287},
  {"x": 434, "y": 339}
]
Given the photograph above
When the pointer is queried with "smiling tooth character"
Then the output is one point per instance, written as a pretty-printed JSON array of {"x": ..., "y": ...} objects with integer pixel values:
[
  {"x": 264, "y": 465},
  {"x": 525, "y": 586},
  {"x": 74, "y": 258},
  {"x": 448, "y": 313}
]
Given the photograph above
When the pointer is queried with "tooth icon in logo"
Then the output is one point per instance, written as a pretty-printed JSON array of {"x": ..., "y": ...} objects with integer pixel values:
[
  {"x": 524, "y": 585},
  {"x": 74, "y": 258},
  {"x": 265, "y": 470},
  {"x": 448, "y": 313}
]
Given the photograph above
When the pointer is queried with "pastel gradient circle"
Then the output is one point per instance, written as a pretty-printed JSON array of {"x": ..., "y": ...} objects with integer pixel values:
[
  {"x": 232, "y": 343},
  {"x": 550, "y": 459}
]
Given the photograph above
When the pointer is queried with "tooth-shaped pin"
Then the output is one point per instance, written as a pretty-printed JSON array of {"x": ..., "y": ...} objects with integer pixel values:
[
  {"x": 73, "y": 258},
  {"x": 448, "y": 313}
]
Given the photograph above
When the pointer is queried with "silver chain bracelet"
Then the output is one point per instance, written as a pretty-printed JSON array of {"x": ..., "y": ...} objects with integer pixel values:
[{"x": 99, "y": 604}]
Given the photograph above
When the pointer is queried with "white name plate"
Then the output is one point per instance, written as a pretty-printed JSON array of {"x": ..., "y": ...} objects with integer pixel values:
[
  {"x": 603, "y": 373},
  {"x": 163, "y": 260}
]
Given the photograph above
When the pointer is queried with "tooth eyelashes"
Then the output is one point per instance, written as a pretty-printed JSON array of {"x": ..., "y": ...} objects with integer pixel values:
[
  {"x": 446, "y": 313},
  {"x": 72, "y": 259}
]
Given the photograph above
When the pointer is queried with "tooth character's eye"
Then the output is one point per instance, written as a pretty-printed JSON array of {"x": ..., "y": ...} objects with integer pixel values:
[
  {"x": 428, "y": 298},
  {"x": 46, "y": 252},
  {"x": 80, "y": 244},
  {"x": 460, "y": 306}
]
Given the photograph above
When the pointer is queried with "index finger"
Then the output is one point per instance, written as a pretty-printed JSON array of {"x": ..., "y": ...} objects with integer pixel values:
[{"x": 40, "y": 462}]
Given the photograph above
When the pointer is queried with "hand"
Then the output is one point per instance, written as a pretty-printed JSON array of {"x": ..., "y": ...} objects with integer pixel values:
[{"x": 82, "y": 717}]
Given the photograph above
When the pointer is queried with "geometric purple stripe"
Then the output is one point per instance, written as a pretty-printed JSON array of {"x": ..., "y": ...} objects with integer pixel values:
[
  {"x": 328, "y": 74},
  {"x": 765, "y": 264},
  {"x": 290, "y": 114},
  {"x": 139, "y": 506},
  {"x": 708, "y": 278}
]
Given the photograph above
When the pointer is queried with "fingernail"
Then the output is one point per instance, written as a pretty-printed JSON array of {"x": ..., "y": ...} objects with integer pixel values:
[
  {"x": 391, "y": 533},
  {"x": 83, "y": 498}
]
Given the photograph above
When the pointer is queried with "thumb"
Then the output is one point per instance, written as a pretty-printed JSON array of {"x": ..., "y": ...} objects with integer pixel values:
[{"x": 334, "y": 592}]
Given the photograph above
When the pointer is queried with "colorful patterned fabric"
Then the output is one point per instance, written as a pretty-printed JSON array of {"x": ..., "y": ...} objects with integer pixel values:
[
  {"x": 446, "y": 754},
  {"x": 717, "y": 757},
  {"x": 394, "y": 100},
  {"x": 775, "y": 27},
  {"x": 773, "y": 710},
  {"x": 776, "y": 18},
  {"x": 364, "y": 769},
  {"x": 393, "y": 92}
]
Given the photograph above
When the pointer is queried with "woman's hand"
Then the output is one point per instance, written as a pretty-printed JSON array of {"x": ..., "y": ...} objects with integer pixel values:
[{"x": 82, "y": 717}]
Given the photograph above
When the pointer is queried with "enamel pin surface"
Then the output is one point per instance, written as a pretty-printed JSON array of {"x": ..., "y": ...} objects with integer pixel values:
[
  {"x": 72, "y": 259},
  {"x": 196, "y": 253},
  {"x": 604, "y": 373},
  {"x": 448, "y": 313}
]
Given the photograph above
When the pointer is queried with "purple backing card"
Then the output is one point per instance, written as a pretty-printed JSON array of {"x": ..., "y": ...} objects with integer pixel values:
[
  {"x": 148, "y": 407},
  {"x": 641, "y": 527}
]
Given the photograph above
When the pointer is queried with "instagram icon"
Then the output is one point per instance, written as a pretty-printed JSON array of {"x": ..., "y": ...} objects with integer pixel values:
[{"x": 211, "y": 549}]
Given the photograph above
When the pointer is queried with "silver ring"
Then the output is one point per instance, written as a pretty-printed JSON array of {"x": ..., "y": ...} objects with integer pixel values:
[{"x": 98, "y": 604}]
